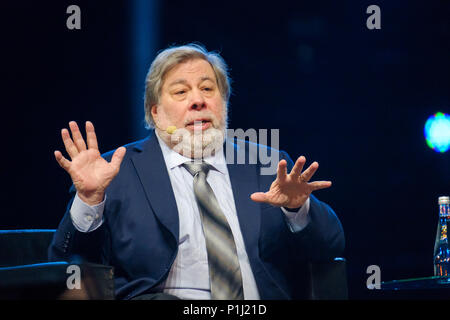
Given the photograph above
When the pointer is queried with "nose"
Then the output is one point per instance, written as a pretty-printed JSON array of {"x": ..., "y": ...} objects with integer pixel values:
[{"x": 197, "y": 101}]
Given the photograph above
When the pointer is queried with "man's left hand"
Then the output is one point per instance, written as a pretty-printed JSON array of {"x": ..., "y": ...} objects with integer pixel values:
[{"x": 291, "y": 190}]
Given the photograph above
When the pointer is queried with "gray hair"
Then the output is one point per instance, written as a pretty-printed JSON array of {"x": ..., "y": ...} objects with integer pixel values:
[{"x": 168, "y": 59}]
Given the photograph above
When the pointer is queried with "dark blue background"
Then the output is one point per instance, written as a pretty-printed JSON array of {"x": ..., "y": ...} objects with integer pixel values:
[{"x": 353, "y": 99}]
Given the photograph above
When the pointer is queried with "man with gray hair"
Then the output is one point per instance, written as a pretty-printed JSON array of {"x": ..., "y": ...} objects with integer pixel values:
[{"x": 174, "y": 218}]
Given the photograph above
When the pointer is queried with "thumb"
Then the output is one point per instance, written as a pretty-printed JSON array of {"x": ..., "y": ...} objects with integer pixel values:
[
  {"x": 117, "y": 157},
  {"x": 259, "y": 197}
]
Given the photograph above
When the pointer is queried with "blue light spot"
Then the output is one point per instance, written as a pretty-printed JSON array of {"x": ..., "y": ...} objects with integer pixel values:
[{"x": 437, "y": 132}]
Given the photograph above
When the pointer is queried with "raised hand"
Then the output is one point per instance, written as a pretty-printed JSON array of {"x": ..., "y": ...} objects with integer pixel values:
[
  {"x": 293, "y": 189},
  {"x": 90, "y": 173}
]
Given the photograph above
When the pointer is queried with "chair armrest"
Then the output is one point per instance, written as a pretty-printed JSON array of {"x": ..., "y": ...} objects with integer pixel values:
[
  {"x": 50, "y": 281},
  {"x": 24, "y": 246},
  {"x": 328, "y": 280}
]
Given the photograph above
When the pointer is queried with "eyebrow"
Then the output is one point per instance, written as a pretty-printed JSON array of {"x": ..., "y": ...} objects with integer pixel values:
[{"x": 183, "y": 81}]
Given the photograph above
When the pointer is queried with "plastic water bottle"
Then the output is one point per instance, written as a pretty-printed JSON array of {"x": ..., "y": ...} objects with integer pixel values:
[{"x": 441, "y": 249}]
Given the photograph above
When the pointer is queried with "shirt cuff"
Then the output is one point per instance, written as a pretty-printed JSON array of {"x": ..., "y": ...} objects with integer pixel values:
[
  {"x": 84, "y": 217},
  {"x": 298, "y": 220}
]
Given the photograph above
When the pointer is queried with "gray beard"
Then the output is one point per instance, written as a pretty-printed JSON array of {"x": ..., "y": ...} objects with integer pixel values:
[{"x": 195, "y": 145}]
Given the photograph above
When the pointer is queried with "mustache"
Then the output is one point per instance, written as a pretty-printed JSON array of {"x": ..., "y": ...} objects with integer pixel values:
[{"x": 203, "y": 116}]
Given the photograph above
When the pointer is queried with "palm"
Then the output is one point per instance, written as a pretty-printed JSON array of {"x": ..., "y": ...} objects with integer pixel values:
[
  {"x": 90, "y": 173},
  {"x": 288, "y": 193},
  {"x": 293, "y": 189}
]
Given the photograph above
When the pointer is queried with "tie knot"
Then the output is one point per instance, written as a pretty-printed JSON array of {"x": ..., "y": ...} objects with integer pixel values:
[{"x": 194, "y": 167}]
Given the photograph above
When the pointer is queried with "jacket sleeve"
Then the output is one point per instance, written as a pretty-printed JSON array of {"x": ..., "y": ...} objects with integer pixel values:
[
  {"x": 68, "y": 243},
  {"x": 323, "y": 238}
]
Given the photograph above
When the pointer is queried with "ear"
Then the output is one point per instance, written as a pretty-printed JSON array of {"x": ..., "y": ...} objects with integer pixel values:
[{"x": 154, "y": 111}]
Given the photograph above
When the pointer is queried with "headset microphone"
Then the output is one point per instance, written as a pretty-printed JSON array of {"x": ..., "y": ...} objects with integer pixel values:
[{"x": 171, "y": 129}]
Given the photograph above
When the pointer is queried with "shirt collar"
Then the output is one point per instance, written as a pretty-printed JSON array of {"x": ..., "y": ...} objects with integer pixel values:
[{"x": 174, "y": 159}]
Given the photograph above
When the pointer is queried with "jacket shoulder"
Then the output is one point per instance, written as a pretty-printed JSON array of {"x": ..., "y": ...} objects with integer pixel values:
[
  {"x": 131, "y": 147},
  {"x": 257, "y": 153}
]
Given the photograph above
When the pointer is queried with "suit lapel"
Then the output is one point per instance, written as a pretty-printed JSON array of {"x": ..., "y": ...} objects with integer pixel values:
[
  {"x": 151, "y": 169},
  {"x": 244, "y": 182}
]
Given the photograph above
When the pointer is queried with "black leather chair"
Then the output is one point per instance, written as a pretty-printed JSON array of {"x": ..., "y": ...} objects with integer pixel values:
[
  {"x": 327, "y": 280},
  {"x": 25, "y": 272}
]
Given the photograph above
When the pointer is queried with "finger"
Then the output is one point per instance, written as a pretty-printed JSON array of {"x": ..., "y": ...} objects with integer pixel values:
[
  {"x": 63, "y": 162},
  {"x": 282, "y": 170},
  {"x": 68, "y": 143},
  {"x": 91, "y": 137},
  {"x": 308, "y": 173},
  {"x": 317, "y": 185},
  {"x": 77, "y": 137},
  {"x": 259, "y": 197},
  {"x": 117, "y": 157},
  {"x": 298, "y": 167}
]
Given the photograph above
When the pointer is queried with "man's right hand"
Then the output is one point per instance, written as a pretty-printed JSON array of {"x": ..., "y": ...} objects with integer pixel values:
[{"x": 90, "y": 173}]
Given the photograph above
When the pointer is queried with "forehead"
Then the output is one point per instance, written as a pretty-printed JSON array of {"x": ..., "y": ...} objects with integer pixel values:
[{"x": 190, "y": 70}]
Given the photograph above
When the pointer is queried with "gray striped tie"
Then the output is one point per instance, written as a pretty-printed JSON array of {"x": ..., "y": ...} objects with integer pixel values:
[{"x": 224, "y": 271}]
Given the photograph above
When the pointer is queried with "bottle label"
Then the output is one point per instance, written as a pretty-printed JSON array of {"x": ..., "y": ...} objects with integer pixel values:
[
  {"x": 444, "y": 216},
  {"x": 444, "y": 232}
]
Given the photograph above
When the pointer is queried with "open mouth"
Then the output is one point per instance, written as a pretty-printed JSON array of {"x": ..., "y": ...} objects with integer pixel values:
[{"x": 199, "y": 124}]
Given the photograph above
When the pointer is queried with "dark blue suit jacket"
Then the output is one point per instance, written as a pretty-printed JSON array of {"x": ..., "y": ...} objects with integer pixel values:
[{"x": 139, "y": 236}]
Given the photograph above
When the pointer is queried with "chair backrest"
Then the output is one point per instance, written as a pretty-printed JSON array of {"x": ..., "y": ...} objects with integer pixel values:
[
  {"x": 328, "y": 281},
  {"x": 21, "y": 247}
]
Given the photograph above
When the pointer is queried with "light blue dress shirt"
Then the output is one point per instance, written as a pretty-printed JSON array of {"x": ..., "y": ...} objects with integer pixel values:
[{"x": 189, "y": 276}]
